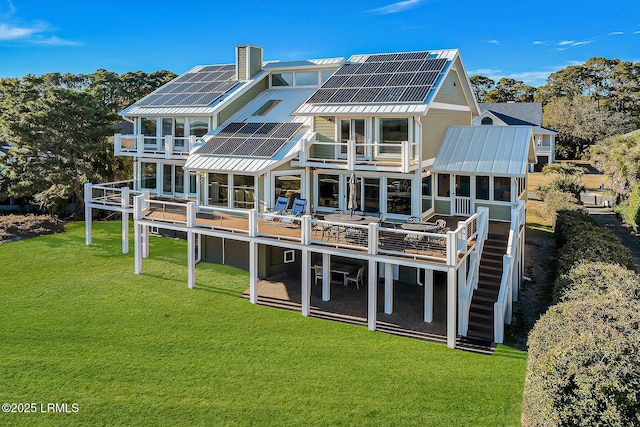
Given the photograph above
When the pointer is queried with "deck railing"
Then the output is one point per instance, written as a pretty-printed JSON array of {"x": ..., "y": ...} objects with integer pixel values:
[
  {"x": 395, "y": 156},
  {"x": 167, "y": 147},
  {"x": 444, "y": 248},
  {"x": 510, "y": 274},
  {"x": 118, "y": 194}
]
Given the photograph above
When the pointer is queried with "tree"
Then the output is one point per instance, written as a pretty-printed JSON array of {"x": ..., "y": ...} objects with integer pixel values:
[
  {"x": 566, "y": 83},
  {"x": 581, "y": 123},
  {"x": 619, "y": 157},
  {"x": 511, "y": 90},
  {"x": 58, "y": 139},
  {"x": 481, "y": 85}
]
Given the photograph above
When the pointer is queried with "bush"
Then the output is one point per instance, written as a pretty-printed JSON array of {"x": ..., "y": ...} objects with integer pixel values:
[
  {"x": 584, "y": 365},
  {"x": 556, "y": 201},
  {"x": 568, "y": 223},
  {"x": 589, "y": 279},
  {"x": 593, "y": 244},
  {"x": 629, "y": 210}
]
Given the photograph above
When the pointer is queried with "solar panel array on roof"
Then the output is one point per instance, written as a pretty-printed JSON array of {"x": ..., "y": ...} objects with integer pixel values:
[
  {"x": 197, "y": 88},
  {"x": 250, "y": 139},
  {"x": 384, "y": 78}
]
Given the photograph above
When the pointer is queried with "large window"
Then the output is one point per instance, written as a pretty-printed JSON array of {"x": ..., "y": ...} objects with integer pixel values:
[
  {"x": 149, "y": 129},
  {"x": 502, "y": 189},
  {"x": 172, "y": 179},
  {"x": 307, "y": 78},
  {"x": 328, "y": 191},
  {"x": 399, "y": 196},
  {"x": 482, "y": 187},
  {"x": 352, "y": 129},
  {"x": 147, "y": 175},
  {"x": 287, "y": 186},
  {"x": 282, "y": 79},
  {"x": 198, "y": 127},
  {"x": 444, "y": 185},
  {"x": 426, "y": 193},
  {"x": 463, "y": 185},
  {"x": 218, "y": 189},
  {"x": 392, "y": 133},
  {"x": 371, "y": 195},
  {"x": 243, "y": 191}
]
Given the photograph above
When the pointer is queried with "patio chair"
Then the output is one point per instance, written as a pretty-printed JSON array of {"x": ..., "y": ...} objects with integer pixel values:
[
  {"x": 357, "y": 278},
  {"x": 413, "y": 219},
  {"x": 317, "y": 273},
  {"x": 415, "y": 241},
  {"x": 442, "y": 224},
  {"x": 338, "y": 211},
  {"x": 296, "y": 212},
  {"x": 279, "y": 209}
]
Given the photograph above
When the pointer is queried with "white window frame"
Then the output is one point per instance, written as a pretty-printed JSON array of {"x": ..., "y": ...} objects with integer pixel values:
[{"x": 378, "y": 137}]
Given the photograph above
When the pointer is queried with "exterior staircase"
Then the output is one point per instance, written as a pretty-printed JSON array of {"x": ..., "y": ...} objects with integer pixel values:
[{"x": 485, "y": 296}]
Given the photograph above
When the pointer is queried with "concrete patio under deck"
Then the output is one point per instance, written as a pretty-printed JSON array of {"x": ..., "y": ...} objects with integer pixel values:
[{"x": 349, "y": 305}]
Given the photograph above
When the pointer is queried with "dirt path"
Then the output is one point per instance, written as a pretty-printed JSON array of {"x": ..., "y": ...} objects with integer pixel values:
[{"x": 18, "y": 227}]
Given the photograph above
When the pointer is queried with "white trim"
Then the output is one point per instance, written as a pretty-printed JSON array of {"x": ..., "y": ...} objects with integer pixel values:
[{"x": 445, "y": 106}]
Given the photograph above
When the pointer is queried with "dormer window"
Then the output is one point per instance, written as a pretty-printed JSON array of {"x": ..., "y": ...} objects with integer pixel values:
[
  {"x": 282, "y": 79},
  {"x": 487, "y": 121},
  {"x": 267, "y": 107}
]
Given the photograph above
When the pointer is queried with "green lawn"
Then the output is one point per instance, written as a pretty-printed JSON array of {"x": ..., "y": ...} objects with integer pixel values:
[{"x": 78, "y": 326}]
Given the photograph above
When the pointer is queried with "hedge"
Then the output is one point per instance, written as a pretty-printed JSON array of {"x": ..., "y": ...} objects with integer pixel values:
[
  {"x": 584, "y": 365},
  {"x": 629, "y": 210},
  {"x": 588, "y": 279},
  {"x": 556, "y": 201}
]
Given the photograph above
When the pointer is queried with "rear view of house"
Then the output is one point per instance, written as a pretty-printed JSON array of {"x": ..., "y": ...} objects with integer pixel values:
[{"x": 369, "y": 162}]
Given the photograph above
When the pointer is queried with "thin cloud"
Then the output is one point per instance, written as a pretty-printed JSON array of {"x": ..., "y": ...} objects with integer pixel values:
[
  {"x": 572, "y": 43},
  {"x": 566, "y": 42},
  {"x": 616, "y": 33},
  {"x": 492, "y": 41},
  {"x": 538, "y": 42},
  {"x": 400, "y": 6},
  {"x": 35, "y": 33},
  {"x": 636, "y": 32}
]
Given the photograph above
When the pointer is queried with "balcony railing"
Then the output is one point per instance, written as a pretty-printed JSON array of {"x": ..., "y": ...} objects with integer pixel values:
[
  {"x": 374, "y": 239},
  {"x": 166, "y": 147},
  {"x": 401, "y": 156},
  {"x": 117, "y": 194}
]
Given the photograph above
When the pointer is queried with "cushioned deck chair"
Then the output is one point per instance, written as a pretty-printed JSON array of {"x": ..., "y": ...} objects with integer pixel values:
[
  {"x": 279, "y": 209},
  {"x": 296, "y": 211}
]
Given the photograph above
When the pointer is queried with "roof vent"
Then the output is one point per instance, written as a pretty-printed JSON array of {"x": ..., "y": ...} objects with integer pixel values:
[{"x": 248, "y": 61}]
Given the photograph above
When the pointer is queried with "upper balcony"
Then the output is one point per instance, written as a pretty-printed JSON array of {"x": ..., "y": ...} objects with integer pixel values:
[
  {"x": 401, "y": 156},
  {"x": 161, "y": 147}
]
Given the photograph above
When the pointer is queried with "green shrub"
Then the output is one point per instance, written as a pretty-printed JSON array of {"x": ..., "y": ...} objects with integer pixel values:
[
  {"x": 584, "y": 365},
  {"x": 568, "y": 223},
  {"x": 588, "y": 279},
  {"x": 593, "y": 244},
  {"x": 629, "y": 209},
  {"x": 556, "y": 201}
]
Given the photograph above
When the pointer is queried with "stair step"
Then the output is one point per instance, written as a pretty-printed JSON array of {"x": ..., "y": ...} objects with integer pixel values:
[
  {"x": 480, "y": 336},
  {"x": 478, "y": 307},
  {"x": 498, "y": 236},
  {"x": 476, "y": 315},
  {"x": 490, "y": 267},
  {"x": 490, "y": 275}
]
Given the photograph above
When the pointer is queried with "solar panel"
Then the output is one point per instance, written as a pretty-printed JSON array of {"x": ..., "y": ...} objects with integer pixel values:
[
  {"x": 384, "y": 78},
  {"x": 250, "y": 139},
  {"x": 195, "y": 88}
]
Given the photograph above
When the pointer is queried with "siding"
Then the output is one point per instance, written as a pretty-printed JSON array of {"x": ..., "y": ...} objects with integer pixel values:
[
  {"x": 449, "y": 93},
  {"x": 434, "y": 128},
  {"x": 442, "y": 207},
  {"x": 243, "y": 100},
  {"x": 271, "y": 261},
  {"x": 242, "y": 63},
  {"x": 325, "y": 132},
  {"x": 255, "y": 55},
  {"x": 497, "y": 212},
  {"x": 236, "y": 252}
]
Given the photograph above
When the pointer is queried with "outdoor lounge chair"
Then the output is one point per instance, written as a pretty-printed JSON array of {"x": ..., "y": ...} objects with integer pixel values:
[
  {"x": 357, "y": 278},
  {"x": 279, "y": 209},
  {"x": 296, "y": 212}
]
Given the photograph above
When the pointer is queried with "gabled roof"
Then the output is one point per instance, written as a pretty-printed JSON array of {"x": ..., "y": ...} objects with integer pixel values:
[
  {"x": 486, "y": 150},
  {"x": 511, "y": 121},
  {"x": 530, "y": 112},
  {"x": 391, "y": 83}
]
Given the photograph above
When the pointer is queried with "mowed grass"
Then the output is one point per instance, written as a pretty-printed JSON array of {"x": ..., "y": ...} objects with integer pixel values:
[{"x": 78, "y": 326}]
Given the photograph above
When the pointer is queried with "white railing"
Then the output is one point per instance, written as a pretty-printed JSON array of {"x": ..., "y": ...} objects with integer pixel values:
[
  {"x": 445, "y": 248},
  {"x": 113, "y": 194},
  {"x": 509, "y": 283},
  {"x": 398, "y": 156},
  {"x": 478, "y": 229},
  {"x": 168, "y": 147}
]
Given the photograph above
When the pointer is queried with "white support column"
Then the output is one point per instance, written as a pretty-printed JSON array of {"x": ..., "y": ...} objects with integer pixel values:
[
  {"x": 87, "y": 213},
  {"x": 452, "y": 303},
  {"x": 463, "y": 313},
  {"x": 145, "y": 241},
  {"x": 253, "y": 272},
  {"x": 306, "y": 282},
  {"x": 137, "y": 247},
  {"x": 373, "y": 295},
  {"x": 326, "y": 277},
  {"x": 428, "y": 296},
  {"x": 191, "y": 259},
  {"x": 124, "y": 204},
  {"x": 388, "y": 288}
]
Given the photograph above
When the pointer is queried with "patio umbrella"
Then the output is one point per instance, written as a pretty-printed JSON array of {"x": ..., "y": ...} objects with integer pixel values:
[{"x": 352, "y": 198}]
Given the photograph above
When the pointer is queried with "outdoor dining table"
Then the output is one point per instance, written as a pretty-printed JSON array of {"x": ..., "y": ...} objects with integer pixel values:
[
  {"x": 352, "y": 219},
  {"x": 344, "y": 269},
  {"x": 420, "y": 226}
]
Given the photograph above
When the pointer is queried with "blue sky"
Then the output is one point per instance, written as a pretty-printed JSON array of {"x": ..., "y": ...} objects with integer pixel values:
[{"x": 523, "y": 40}]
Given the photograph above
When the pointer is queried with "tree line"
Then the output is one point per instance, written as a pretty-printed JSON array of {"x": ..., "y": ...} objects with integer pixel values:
[
  {"x": 58, "y": 127},
  {"x": 585, "y": 103}
]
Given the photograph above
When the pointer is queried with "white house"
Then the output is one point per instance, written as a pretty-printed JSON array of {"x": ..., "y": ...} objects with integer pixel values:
[{"x": 387, "y": 135}]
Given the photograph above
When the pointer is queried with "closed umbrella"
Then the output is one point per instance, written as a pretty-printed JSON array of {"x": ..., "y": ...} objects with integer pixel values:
[{"x": 352, "y": 199}]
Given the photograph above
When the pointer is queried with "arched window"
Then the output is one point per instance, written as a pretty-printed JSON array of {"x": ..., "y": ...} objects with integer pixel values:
[{"x": 487, "y": 121}]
